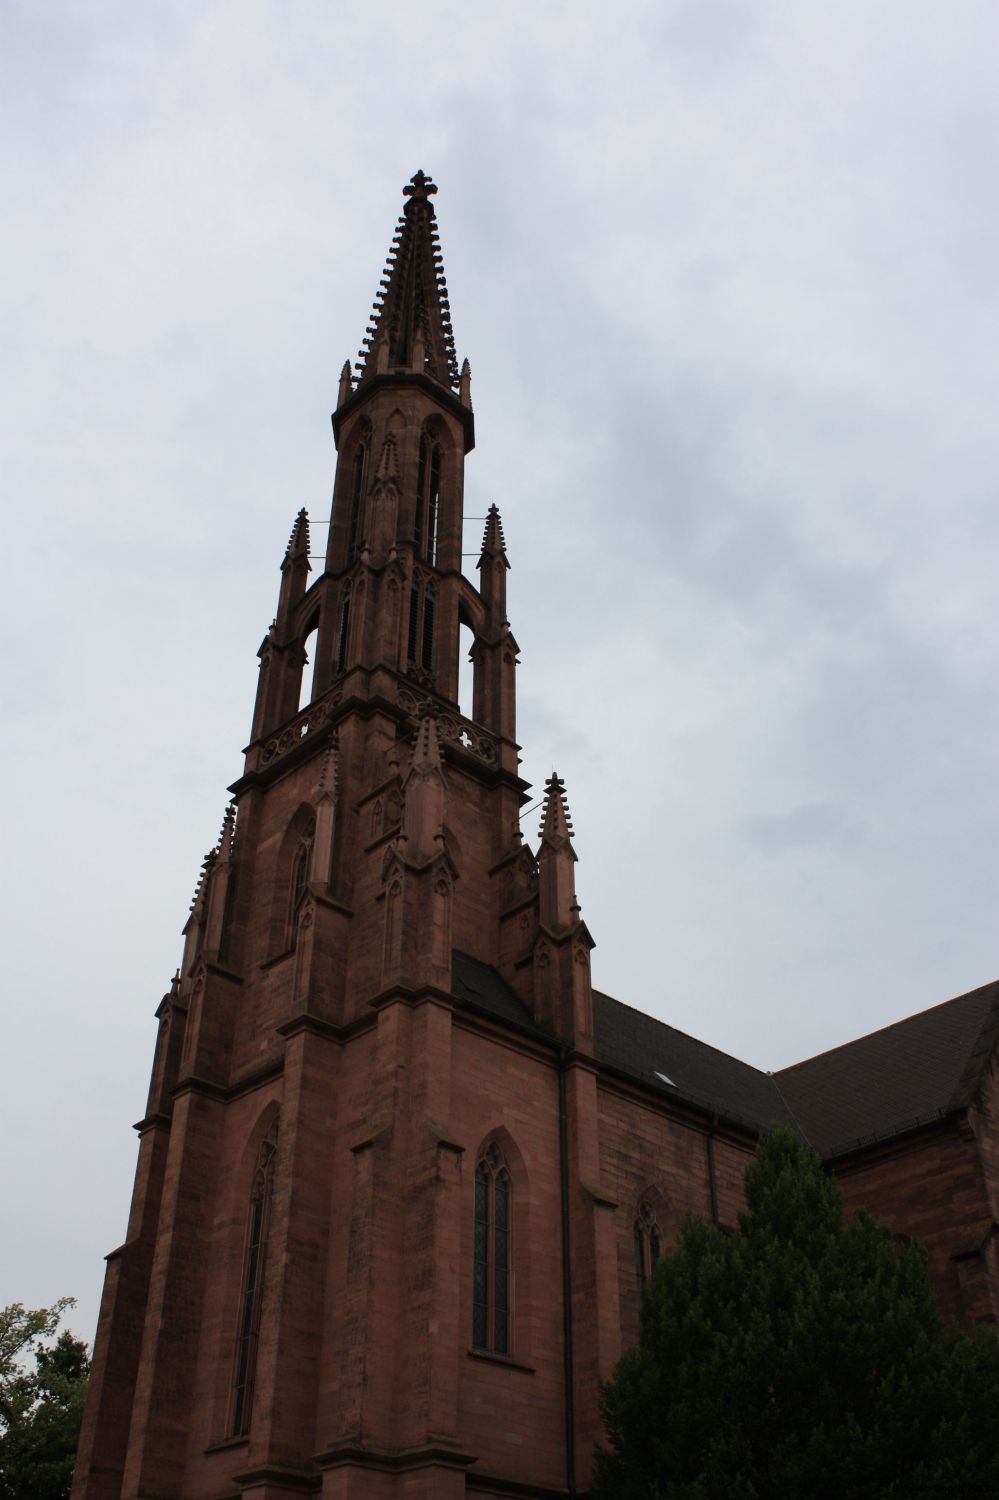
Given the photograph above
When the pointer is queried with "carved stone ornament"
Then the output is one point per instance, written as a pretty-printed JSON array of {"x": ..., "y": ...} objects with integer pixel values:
[
  {"x": 452, "y": 728},
  {"x": 304, "y": 724}
]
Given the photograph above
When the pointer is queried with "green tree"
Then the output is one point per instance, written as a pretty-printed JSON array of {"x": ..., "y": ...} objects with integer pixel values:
[
  {"x": 798, "y": 1359},
  {"x": 40, "y": 1408}
]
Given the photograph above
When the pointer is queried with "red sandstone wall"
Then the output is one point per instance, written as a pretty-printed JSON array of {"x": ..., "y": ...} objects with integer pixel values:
[{"x": 930, "y": 1187}]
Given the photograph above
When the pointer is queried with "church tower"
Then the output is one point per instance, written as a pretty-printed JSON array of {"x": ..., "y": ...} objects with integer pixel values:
[{"x": 347, "y": 1267}]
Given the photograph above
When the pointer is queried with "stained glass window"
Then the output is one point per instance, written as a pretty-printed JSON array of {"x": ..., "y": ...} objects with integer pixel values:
[
  {"x": 491, "y": 1267},
  {"x": 647, "y": 1243}
]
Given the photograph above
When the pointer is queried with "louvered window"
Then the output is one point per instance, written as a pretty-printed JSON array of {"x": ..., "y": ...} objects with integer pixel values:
[
  {"x": 428, "y": 489},
  {"x": 357, "y": 500},
  {"x": 343, "y": 631},
  {"x": 429, "y": 621}
]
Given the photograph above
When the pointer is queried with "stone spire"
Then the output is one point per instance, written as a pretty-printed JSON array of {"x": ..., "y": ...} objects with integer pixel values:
[
  {"x": 493, "y": 541},
  {"x": 219, "y": 876},
  {"x": 295, "y": 570},
  {"x": 298, "y": 542},
  {"x": 559, "y": 908},
  {"x": 410, "y": 327}
]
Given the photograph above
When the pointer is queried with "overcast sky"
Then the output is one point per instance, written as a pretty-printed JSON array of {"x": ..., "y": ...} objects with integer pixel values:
[{"x": 726, "y": 276}]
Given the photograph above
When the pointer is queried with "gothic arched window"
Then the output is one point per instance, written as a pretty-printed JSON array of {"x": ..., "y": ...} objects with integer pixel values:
[
  {"x": 357, "y": 498},
  {"x": 251, "y": 1296},
  {"x": 428, "y": 490},
  {"x": 491, "y": 1269},
  {"x": 648, "y": 1244},
  {"x": 300, "y": 877}
]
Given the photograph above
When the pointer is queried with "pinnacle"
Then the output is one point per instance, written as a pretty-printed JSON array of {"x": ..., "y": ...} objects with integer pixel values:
[
  {"x": 199, "y": 890},
  {"x": 227, "y": 837},
  {"x": 493, "y": 541},
  {"x": 298, "y": 542},
  {"x": 427, "y": 752},
  {"x": 329, "y": 776},
  {"x": 410, "y": 324},
  {"x": 388, "y": 462},
  {"x": 556, "y": 823}
]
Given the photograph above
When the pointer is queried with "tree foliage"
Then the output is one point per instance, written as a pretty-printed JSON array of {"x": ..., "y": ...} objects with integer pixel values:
[
  {"x": 798, "y": 1358},
  {"x": 40, "y": 1407}
]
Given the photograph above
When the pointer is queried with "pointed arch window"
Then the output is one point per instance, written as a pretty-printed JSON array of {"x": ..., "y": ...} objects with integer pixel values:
[
  {"x": 300, "y": 877},
  {"x": 428, "y": 490},
  {"x": 251, "y": 1295},
  {"x": 648, "y": 1243},
  {"x": 343, "y": 630},
  {"x": 357, "y": 498},
  {"x": 422, "y": 632},
  {"x": 491, "y": 1269}
]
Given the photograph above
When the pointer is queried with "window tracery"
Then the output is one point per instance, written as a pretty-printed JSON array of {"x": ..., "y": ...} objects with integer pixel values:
[
  {"x": 491, "y": 1264},
  {"x": 300, "y": 873},
  {"x": 648, "y": 1243}
]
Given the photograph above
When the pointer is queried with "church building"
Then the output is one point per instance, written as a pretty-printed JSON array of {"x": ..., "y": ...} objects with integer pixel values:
[{"x": 403, "y": 1171}]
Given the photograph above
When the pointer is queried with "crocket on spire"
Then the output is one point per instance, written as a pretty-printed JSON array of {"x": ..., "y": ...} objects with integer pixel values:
[
  {"x": 410, "y": 325},
  {"x": 559, "y": 908},
  {"x": 298, "y": 542}
]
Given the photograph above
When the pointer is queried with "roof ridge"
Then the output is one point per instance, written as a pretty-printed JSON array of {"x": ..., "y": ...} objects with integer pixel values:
[
  {"x": 710, "y": 1046},
  {"x": 880, "y": 1030}
]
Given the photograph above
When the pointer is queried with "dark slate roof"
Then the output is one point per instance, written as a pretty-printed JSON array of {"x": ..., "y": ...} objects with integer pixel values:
[
  {"x": 895, "y": 1079},
  {"x": 482, "y": 989},
  {"x": 642, "y": 1047}
]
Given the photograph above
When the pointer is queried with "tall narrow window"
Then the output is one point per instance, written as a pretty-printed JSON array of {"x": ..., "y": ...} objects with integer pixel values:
[
  {"x": 357, "y": 500},
  {"x": 251, "y": 1299},
  {"x": 343, "y": 630},
  {"x": 433, "y": 503},
  {"x": 647, "y": 1244},
  {"x": 428, "y": 489},
  {"x": 308, "y": 668},
  {"x": 421, "y": 488},
  {"x": 491, "y": 1266},
  {"x": 414, "y": 621},
  {"x": 429, "y": 618}
]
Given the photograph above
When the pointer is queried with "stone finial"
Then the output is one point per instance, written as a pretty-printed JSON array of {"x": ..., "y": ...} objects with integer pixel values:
[{"x": 419, "y": 188}]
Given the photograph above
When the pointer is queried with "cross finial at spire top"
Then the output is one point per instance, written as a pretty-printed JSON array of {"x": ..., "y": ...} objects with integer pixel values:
[{"x": 420, "y": 188}]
